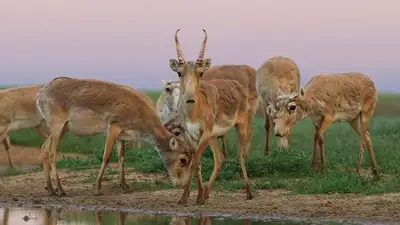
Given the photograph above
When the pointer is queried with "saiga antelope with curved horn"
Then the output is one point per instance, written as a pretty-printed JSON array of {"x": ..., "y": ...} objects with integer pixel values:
[
  {"x": 210, "y": 109},
  {"x": 327, "y": 99},
  {"x": 86, "y": 107},
  {"x": 276, "y": 76}
]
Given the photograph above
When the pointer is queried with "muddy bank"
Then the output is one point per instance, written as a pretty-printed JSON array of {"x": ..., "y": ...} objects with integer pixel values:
[{"x": 28, "y": 190}]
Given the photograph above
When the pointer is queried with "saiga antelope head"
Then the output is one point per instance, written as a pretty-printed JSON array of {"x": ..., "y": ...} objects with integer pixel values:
[{"x": 189, "y": 72}]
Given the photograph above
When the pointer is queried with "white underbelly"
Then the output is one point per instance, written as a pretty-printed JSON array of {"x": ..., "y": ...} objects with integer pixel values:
[
  {"x": 85, "y": 123},
  {"x": 219, "y": 130},
  {"x": 347, "y": 115}
]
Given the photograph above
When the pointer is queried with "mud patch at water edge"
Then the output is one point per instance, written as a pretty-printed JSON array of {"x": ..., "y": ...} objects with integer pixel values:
[
  {"x": 28, "y": 189},
  {"x": 78, "y": 215}
]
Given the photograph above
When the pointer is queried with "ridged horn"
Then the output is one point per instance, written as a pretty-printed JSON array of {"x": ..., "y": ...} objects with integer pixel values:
[
  {"x": 181, "y": 59},
  {"x": 203, "y": 49}
]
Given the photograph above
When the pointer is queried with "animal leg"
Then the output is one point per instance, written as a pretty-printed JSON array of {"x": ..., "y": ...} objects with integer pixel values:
[
  {"x": 249, "y": 138},
  {"x": 224, "y": 151},
  {"x": 200, "y": 186},
  {"x": 268, "y": 126},
  {"x": 356, "y": 125},
  {"x": 121, "y": 157},
  {"x": 319, "y": 140},
  {"x": 112, "y": 135},
  {"x": 56, "y": 135},
  {"x": 217, "y": 167},
  {"x": 46, "y": 166},
  {"x": 365, "y": 118},
  {"x": 7, "y": 146},
  {"x": 194, "y": 165},
  {"x": 241, "y": 129}
]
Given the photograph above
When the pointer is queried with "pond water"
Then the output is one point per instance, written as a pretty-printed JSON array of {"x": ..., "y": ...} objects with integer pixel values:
[{"x": 40, "y": 216}]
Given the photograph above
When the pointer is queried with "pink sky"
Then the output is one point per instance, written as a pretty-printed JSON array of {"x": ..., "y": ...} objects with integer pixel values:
[{"x": 131, "y": 41}]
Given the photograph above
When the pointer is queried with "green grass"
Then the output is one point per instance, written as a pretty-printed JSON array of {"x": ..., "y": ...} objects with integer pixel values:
[{"x": 289, "y": 170}]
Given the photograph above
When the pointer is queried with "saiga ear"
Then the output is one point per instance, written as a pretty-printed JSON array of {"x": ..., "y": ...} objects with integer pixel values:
[
  {"x": 174, "y": 65},
  {"x": 270, "y": 110},
  {"x": 164, "y": 82},
  {"x": 173, "y": 144},
  {"x": 206, "y": 64},
  {"x": 301, "y": 92}
]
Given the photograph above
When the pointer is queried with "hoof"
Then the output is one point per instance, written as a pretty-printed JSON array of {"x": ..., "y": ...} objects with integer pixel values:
[
  {"x": 249, "y": 196},
  {"x": 323, "y": 169},
  {"x": 182, "y": 201},
  {"x": 200, "y": 199},
  {"x": 314, "y": 168},
  {"x": 52, "y": 193},
  {"x": 376, "y": 177},
  {"x": 60, "y": 193},
  {"x": 124, "y": 187},
  {"x": 98, "y": 193}
]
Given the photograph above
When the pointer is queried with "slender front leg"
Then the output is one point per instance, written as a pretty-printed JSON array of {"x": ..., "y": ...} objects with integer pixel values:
[
  {"x": 200, "y": 186},
  {"x": 267, "y": 126},
  {"x": 112, "y": 135},
  {"x": 121, "y": 155},
  {"x": 224, "y": 151},
  {"x": 319, "y": 140},
  {"x": 249, "y": 138},
  {"x": 242, "y": 129},
  {"x": 217, "y": 168},
  {"x": 314, "y": 164},
  {"x": 7, "y": 146},
  {"x": 204, "y": 140}
]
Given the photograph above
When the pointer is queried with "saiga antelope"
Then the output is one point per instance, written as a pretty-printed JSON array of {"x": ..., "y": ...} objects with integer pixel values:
[
  {"x": 86, "y": 107},
  {"x": 168, "y": 106},
  {"x": 210, "y": 109},
  {"x": 18, "y": 111},
  {"x": 277, "y": 75},
  {"x": 244, "y": 74},
  {"x": 326, "y": 99},
  {"x": 168, "y": 101}
]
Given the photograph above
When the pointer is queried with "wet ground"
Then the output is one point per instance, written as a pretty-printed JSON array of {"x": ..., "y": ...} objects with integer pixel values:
[{"x": 27, "y": 190}]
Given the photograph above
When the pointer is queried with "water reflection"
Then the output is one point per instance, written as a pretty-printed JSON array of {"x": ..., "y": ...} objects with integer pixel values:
[
  {"x": 28, "y": 217},
  {"x": 22, "y": 216}
]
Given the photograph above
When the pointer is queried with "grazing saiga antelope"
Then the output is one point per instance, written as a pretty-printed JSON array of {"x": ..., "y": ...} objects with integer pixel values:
[
  {"x": 326, "y": 99},
  {"x": 86, "y": 107},
  {"x": 276, "y": 76},
  {"x": 18, "y": 111},
  {"x": 210, "y": 108}
]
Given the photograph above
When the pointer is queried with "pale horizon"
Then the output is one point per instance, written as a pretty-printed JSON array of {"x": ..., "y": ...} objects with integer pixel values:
[{"x": 131, "y": 41}]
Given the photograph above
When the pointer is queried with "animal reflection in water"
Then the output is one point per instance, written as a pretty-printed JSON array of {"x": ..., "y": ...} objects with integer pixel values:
[
  {"x": 18, "y": 216},
  {"x": 175, "y": 220}
]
